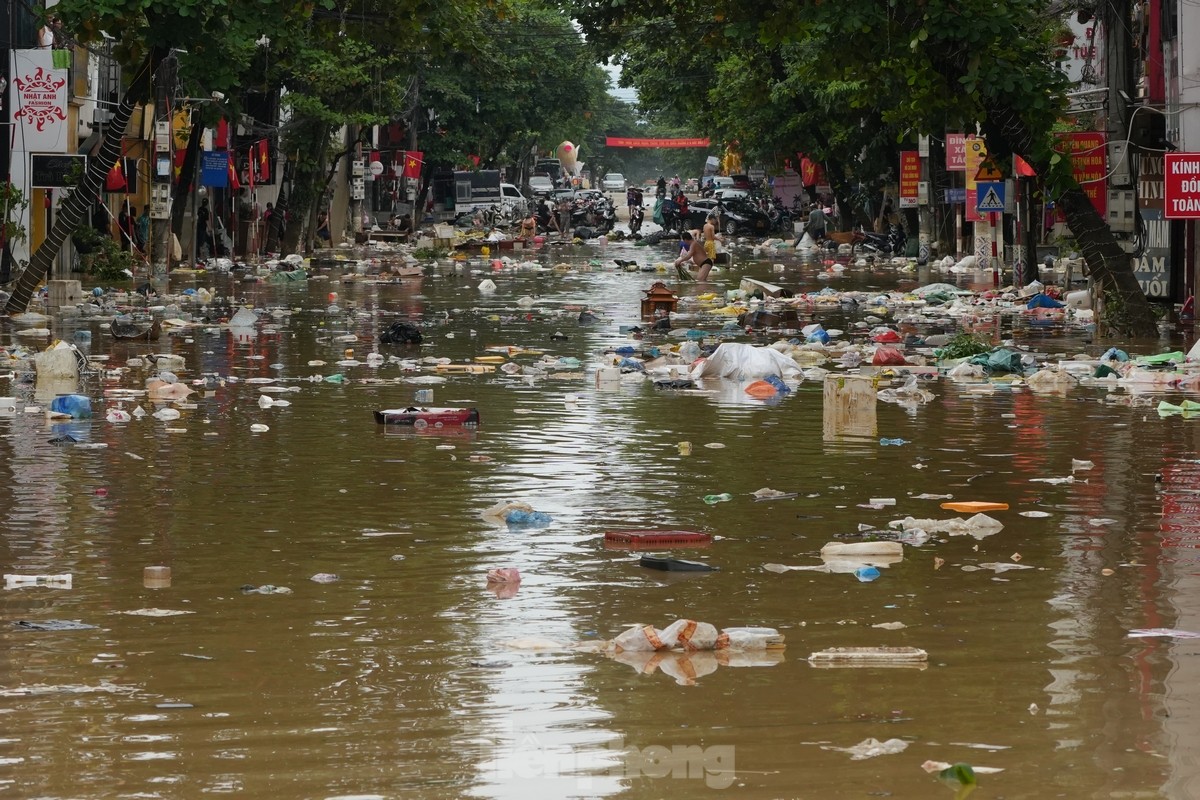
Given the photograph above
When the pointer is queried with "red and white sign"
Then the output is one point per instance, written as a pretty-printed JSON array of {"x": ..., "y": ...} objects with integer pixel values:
[
  {"x": 1181, "y": 185},
  {"x": 910, "y": 177},
  {"x": 629, "y": 141},
  {"x": 956, "y": 152},
  {"x": 1088, "y": 151},
  {"x": 38, "y": 95}
]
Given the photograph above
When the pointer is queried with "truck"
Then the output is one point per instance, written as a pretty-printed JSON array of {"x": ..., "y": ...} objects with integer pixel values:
[{"x": 464, "y": 192}]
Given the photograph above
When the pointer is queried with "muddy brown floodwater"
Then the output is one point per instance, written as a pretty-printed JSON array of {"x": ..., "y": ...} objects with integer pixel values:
[{"x": 394, "y": 681}]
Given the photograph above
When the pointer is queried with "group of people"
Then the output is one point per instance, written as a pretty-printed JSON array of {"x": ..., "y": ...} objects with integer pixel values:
[
  {"x": 51, "y": 35},
  {"x": 699, "y": 247}
]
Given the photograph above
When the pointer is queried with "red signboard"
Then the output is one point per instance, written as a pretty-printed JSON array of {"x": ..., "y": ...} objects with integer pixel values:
[
  {"x": 626, "y": 141},
  {"x": 1088, "y": 152},
  {"x": 910, "y": 176},
  {"x": 956, "y": 152},
  {"x": 1181, "y": 185}
]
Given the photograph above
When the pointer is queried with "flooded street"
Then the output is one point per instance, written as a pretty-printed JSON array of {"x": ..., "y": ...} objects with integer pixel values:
[{"x": 396, "y": 681}]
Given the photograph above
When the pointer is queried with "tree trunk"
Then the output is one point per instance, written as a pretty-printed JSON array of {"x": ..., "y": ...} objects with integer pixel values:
[
  {"x": 75, "y": 207},
  {"x": 1126, "y": 310},
  {"x": 187, "y": 172}
]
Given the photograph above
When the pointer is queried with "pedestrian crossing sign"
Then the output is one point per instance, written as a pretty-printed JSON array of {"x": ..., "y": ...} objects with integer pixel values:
[{"x": 989, "y": 197}]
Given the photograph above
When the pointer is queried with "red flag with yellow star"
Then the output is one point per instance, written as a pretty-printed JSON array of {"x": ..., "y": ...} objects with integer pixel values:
[
  {"x": 412, "y": 163},
  {"x": 264, "y": 161}
]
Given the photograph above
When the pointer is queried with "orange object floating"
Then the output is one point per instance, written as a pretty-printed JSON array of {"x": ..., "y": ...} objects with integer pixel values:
[
  {"x": 761, "y": 389},
  {"x": 975, "y": 506}
]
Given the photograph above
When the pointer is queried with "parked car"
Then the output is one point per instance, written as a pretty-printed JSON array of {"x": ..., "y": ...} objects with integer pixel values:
[
  {"x": 541, "y": 186},
  {"x": 731, "y": 193},
  {"x": 738, "y": 218},
  {"x": 613, "y": 182}
]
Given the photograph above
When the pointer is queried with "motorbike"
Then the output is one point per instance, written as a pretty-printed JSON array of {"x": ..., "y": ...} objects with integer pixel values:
[
  {"x": 598, "y": 214},
  {"x": 778, "y": 213},
  {"x": 637, "y": 216},
  {"x": 894, "y": 242}
]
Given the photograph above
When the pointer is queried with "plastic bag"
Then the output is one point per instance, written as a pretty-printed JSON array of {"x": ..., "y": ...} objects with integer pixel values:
[
  {"x": 744, "y": 362},
  {"x": 640, "y": 639},
  {"x": 888, "y": 357},
  {"x": 966, "y": 370},
  {"x": 689, "y": 634},
  {"x": 999, "y": 360},
  {"x": 750, "y": 639},
  {"x": 1050, "y": 381}
]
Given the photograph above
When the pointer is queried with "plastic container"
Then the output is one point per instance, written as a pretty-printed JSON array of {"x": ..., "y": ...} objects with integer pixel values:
[
  {"x": 423, "y": 396},
  {"x": 8, "y": 406},
  {"x": 866, "y": 574},
  {"x": 78, "y": 406},
  {"x": 713, "y": 499},
  {"x": 156, "y": 577}
]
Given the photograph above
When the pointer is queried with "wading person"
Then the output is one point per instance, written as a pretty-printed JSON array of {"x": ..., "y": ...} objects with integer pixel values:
[{"x": 695, "y": 252}]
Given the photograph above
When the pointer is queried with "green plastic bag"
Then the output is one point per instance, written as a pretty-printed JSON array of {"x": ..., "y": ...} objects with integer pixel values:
[
  {"x": 999, "y": 360},
  {"x": 1162, "y": 358}
]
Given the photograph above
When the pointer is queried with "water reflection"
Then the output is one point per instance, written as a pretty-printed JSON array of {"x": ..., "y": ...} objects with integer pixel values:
[{"x": 395, "y": 681}]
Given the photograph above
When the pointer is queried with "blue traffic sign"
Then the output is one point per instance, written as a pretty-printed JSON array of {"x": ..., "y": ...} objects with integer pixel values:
[{"x": 989, "y": 197}]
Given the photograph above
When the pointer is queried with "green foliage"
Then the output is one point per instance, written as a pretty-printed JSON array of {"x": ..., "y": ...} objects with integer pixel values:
[
  {"x": 12, "y": 203},
  {"x": 430, "y": 253},
  {"x": 964, "y": 345},
  {"x": 110, "y": 262}
]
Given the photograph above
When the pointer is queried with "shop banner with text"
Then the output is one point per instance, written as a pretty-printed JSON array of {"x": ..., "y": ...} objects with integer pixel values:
[
  {"x": 910, "y": 177},
  {"x": 625, "y": 141},
  {"x": 1088, "y": 151}
]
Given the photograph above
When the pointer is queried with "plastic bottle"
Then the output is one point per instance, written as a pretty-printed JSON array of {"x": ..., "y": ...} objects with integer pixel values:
[
  {"x": 866, "y": 574},
  {"x": 713, "y": 499},
  {"x": 424, "y": 396},
  {"x": 77, "y": 405},
  {"x": 893, "y": 442}
]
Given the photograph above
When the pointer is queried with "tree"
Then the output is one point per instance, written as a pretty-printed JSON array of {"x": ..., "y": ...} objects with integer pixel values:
[
  {"x": 219, "y": 39},
  {"x": 925, "y": 67}
]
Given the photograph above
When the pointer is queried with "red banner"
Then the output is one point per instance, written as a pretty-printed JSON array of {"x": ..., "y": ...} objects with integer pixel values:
[
  {"x": 910, "y": 176},
  {"x": 1088, "y": 152},
  {"x": 1181, "y": 185},
  {"x": 625, "y": 141}
]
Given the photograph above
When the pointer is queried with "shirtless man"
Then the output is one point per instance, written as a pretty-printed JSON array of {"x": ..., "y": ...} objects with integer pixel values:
[
  {"x": 695, "y": 252},
  {"x": 710, "y": 237}
]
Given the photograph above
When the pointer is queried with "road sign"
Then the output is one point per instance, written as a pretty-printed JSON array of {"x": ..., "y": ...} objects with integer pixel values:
[
  {"x": 989, "y": 197},
  {"x": 988, "y": 171}
]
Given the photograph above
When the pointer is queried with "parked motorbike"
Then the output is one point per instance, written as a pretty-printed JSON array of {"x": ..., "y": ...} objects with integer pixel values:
[
  {"x": 894, "y": 242},
  {"x": 778, "y": 213},
  {"x": 598, "y": 214}
]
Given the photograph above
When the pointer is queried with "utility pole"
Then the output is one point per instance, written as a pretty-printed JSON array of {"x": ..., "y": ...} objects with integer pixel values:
[
  {"x": 1118, "y": 72},
  {"x": 414, "y": 191}
]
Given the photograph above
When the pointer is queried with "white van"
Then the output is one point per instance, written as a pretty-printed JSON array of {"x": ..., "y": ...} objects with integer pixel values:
[{"x": 512, "y": 202}]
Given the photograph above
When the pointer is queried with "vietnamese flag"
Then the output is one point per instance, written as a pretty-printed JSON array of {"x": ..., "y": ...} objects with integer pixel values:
[
  {"x": 412, "y": 163},
  {"x": 234, "y": 183},
  {"x": 115, "y": 181},
  {"x": 264, "y": 163}
]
